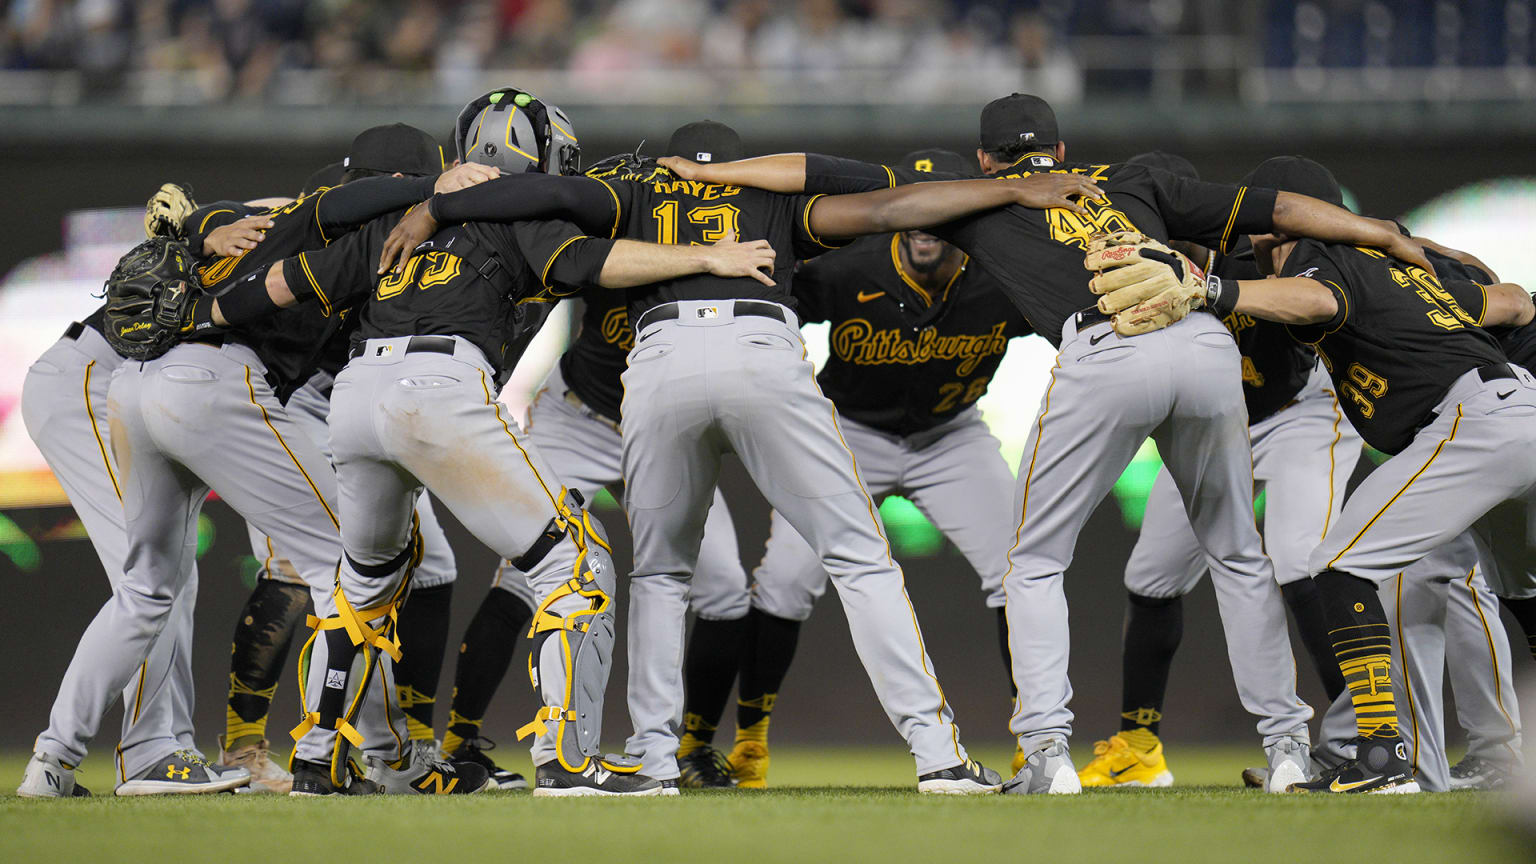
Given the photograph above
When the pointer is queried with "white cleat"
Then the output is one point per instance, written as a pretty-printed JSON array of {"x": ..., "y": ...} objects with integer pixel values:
[
  {"x": 47, "y": 777},
  {"x": 1047, "y": 771}
]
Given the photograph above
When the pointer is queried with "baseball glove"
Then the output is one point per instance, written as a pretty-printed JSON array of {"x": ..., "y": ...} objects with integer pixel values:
[
  {"x": 150, "y": 297},
  {"x": 166, "y": 209},
  {"x": 1145, "y": 286}
]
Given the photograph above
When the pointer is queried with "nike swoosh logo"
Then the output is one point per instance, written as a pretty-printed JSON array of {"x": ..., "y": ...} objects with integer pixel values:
[
  {"x": 1336, "y": 786},
  {"x": 1094, "y": 340},
  {"x": 866, "y": 296},
  {"x": 1506, "y": 395},
  {"x": 1121, "y": 771}
]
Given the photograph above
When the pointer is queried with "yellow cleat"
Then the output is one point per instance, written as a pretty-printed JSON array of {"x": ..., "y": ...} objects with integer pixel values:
[
  {"x": 1117, "y": 762},
  {"x": 749, "y": 764},
  {"x": 1018, "y": 759}
]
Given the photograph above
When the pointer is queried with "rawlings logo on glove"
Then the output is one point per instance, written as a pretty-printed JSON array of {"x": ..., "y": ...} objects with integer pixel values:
[{"x": 1143, "y": 284}]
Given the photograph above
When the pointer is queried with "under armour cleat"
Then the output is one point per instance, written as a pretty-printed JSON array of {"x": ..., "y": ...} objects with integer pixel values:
[
  {"x": 423, "y": 772},
  {"x": 1380, "y": 767},
  {"x": 599, "y": 778},
  {"x": 48, "y": 777},
  {"x": 185, "y": 773},
  {"x": 705, "y": 768},
  {"x": 1475, "y": 772},
  {"x": 1047, "y": 771},
  {"x": 474, "y": 751},
  {"x": 968, "y": 778},
  {"x": 313, "y": 780},
  {"x": 266, "y": 774},
  {"x": 749, "y": 764},
  {"x": 1119, "y": 763}
]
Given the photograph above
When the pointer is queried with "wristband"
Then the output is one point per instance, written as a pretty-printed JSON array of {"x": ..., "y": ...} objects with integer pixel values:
[
  {"x": 247, "y": 301},
  {"x": 1220, "y": 295},
  {"x": 200, "y": 321}
]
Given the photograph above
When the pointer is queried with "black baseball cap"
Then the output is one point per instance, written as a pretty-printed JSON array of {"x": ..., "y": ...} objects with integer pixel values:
[
  {"x": 395, "y": 148},
  {"x": 330, "y": 175},
  {"x": 1296, "y": 174},
  {"x": 942, "y": 161},
  {"x": 1018, "y": 118},
  {"x": 1173, "y": 163},
  {"x": 705, "y": 141}
]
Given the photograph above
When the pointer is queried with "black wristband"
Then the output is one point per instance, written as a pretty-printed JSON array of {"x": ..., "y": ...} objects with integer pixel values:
[
  {"x": 1220, "y": 295},
  {"x": 247, "y": 301},
  {"x": 200, "y": 321}
]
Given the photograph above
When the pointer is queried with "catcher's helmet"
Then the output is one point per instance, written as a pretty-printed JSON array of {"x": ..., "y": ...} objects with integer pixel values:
[{"x": 513, "y": 130}]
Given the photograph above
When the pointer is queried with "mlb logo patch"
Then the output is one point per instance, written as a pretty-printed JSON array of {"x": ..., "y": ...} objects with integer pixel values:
[
  {"x": 707, "y": 312},
  {"x": 335, "y": 679},
  {"x": 1041, "y": 161},
  {"x": 703, "y": 157},
  {"x": 383, "y": 350}
]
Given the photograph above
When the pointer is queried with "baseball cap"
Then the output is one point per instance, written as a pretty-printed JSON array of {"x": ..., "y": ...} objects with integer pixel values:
[
  {"x": 942, "y": 161},
  {"x": 395, "y": 147},
  {"x": 330, "y": 175},
  {"x": 1296, "y": 174},
  {"x": 1170, "y": 162},
  {"x": 1018, "y": 118},
  {"x": 705, "y": 141}
]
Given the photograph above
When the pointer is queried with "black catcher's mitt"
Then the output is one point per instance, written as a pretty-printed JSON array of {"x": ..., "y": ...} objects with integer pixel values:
[{"x": 150, "y": 298}]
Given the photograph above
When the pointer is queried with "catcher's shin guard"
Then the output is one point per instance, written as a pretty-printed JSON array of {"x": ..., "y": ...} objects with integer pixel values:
[
  {"x": 572, "y": 653},
  {"x": 358, "y": 641}
]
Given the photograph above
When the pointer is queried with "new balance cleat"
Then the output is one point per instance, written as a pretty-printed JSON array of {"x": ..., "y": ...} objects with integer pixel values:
[
  {"x": 313, "y": 780},
  {"x": 1475, "y": 772},
  {"x": 749, "y": 764},
  {"x": 1380, "y": 767},
  {"x": 48, "y": 777},
  {"x": 266, "y": 774},
  {"x": 1289, "y": 764},
  {"x": 474, "y": 752},
  {"x": 968, "y": 778},
  {"x": 423, "y": 772},
  {"x": 1118, "y": 762},
  {"x": 1047, "y": 771},
  {"x": 185, "y": 773},
  {"x": 608, "y": 776},
  {"x": 705, "y": 768}
]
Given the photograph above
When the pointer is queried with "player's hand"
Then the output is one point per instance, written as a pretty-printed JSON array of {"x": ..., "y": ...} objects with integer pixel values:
[
  {"x": 464, "y": 176},
  {"x": 414, "y": 230},
  {"x": 733, "y": 260},
  {"x": 238, "y": 237},
  {"x": 1045, "y": 191},
  {"x": 1411, "y": 250},
  {"x": 685, "y": 169}
]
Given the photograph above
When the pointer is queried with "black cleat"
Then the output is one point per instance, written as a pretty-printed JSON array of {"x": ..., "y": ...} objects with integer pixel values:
[
  {"x": 968, "y": 778},
  {"x": 1473, "y": 772},
  {"x": 313, "y": 779},
  {"x": 598, "y": 778},
  {"x": 705, "y": 768},
  {"x": 1380, "y": 767},
  {"x": 473, "y": 752}
]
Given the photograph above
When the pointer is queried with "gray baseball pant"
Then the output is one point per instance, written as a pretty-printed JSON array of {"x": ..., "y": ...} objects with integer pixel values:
[
  {"x": 1181, "y": 386},
  {"x": 197, "y": 418},
  {"x": 64, "y": 407},
  {"x": 708, "y": 383},
  {"x": 954, "y": 473}
]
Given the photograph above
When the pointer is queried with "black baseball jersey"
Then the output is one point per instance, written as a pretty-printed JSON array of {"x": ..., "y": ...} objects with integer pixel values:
[
  {"x": 1401, "y": 337},
  {"x": 662, "y": 210},
  {"x": 472, "y": 280},
  {"x": 1275, "y": 366},
  {"x": 1038, "y": 254},
  {"x": 598, "y": 356},
  {"x": 292, "y": 343},
  {"x": 903, "y": 360},
  {"x": 1517, "y": 343}
]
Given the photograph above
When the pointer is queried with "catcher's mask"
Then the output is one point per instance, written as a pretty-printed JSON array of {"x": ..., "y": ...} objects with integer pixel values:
[{"x": 515, "y": 131}]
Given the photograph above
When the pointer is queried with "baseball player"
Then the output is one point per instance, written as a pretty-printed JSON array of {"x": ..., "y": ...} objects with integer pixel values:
[
  {"x": 718, "y": 367},
  {"x": 414, "y": 408},
  {"x": 1420, "y": 380},
  {"x": 1303, "y": 454},
  {"x": 64, "y": 407},
  {"x": 574, "y": 421},
  {"x": 917, "y": 334},
  {"x": 1108, "y": 392}
]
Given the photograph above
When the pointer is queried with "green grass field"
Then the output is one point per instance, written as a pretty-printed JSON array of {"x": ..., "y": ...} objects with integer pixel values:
[{"x": 833, "y": 805}]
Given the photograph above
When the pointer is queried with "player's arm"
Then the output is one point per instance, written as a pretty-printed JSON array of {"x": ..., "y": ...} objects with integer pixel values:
[
  {"x": 1466, "y": 258},
  {"x": 1286, "y": 300},
  {"x": 1303, "y": 216},
  {"x": 1506, "y": 305},
  {"x": 793, "y": 173},
  {"x": 334, "y": 277},
  {"x": 924, "y": 205},
  {"x": 342, "y": 208},
  {"x": 633, "y": 263}
]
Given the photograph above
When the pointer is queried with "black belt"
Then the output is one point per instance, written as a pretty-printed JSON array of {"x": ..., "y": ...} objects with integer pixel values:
[
  {"x": 416, "y": 345},
  {"x": 1495, "y": 371},
  {"x": 73, "y": 331},
  {"x": 1089, "y": 317},
  {"x": 671, "y": 312}
]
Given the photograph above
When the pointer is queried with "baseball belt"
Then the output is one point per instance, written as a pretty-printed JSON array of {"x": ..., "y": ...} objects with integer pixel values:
[
  {"x": 671, "y": 312},
  {"x": 416, "y": 345}
]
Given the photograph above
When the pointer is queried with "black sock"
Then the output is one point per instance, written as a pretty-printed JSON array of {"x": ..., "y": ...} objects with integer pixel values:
[
  {"x": 1524, "y": 610},
  {"x": 769, "y": 648},
  {"x": 1306, "y": 603},
  {"x": 490, "y": 641},
  {"x": 1154, "y": 626},
  {"x": 1362, "y": 642},
  {"x": 423, "y": 631},
  {"x": 265, "y": 629},
  {"x": 709, "y": 672},
  {"x": 1002, "y": 644}
]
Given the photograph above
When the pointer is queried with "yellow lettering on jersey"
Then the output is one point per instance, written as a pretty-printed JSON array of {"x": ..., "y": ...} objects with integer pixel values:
[
  {"x": 616, "y": 329},
  {"x": 693, "y": 188},
  {"x": 923, "y": 165},
  {"x": 1074, "y": 229},
  {"x": 442, "y": 267},
  {"x": 857, "y": 341},
  {"x": 393, "y": 283},
  {"x": 1363, "y": 387},
  {"x": 1251, "y": 375}
]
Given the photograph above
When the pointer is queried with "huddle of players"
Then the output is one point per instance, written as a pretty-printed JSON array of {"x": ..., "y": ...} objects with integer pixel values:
[{"x": 896, "y": 302}]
